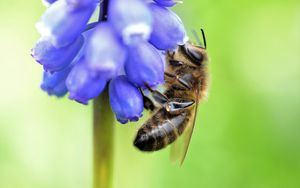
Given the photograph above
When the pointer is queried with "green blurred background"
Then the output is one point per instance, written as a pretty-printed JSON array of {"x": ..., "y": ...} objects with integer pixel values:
[{"x": 247, "y": 133}]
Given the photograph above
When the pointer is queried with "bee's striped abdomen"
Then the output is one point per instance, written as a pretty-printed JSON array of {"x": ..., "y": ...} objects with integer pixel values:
[{"x": 159, "y": 132}]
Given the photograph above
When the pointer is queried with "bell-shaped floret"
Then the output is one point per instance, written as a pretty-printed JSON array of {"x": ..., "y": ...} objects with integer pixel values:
[
  {"x": 166, "y": 3},
  {"x": 144, "y": 65},
  {"x": 63, "y": 24},
  {"x": 55, "y": 83},
  {"x": 125, "y": 99},
  {"x": 48, "y": 2},
  {"x": 55, "y": 59},
  {"x": 82, "y": 85},
  {"x": 81, "y": 3},
  {"x": 105, "y": 53},
  {"x": 130, "y": 18},
  {"x": 168, "y": 29}
]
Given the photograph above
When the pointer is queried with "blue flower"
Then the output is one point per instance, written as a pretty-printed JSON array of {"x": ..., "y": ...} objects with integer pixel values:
[
  {"x": 124, "y": 52},
  {"x": 168, "y": 30},
  {"x": 81, "y": 3},
  {"x": 105, "y": 53},
  {"x": 130, "y": 18},
  {"x": 48, "y": 2},
  {"x": 144, "y": 65},
  {"x": 82, "y": 85},
  {"x": 55, "y": 59},
  {"x": 54, "y": 83},
  {"x": 125, "y": 99},
  {"x": 167, "y": 3},
  {"x": 62, "y": 24}
]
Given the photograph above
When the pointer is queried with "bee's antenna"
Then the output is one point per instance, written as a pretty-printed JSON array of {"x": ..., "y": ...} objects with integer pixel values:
[
  {"x": 204, "y": 39},
  {"x": 198, "y": 39}
]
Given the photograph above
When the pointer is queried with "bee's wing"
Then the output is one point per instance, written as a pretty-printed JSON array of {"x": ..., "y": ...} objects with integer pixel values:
[
  {"x": 176, "y": 149},
  {"x": 188, "y": 134},
  {"x": 180, "y": 147}
]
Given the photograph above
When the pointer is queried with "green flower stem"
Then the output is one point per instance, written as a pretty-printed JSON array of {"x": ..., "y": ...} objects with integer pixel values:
[{"x": 103, "y": 133}]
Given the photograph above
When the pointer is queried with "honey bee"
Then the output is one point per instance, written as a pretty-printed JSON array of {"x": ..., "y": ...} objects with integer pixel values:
[{"x": 186, "y": 80}]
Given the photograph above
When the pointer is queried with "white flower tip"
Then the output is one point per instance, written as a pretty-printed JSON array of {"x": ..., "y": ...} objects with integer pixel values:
[
  {"x": 43, "y": 29},
  {"x": 45, "y": 3},
  {"x": 185, "y": 40},
  {"x": 139, "y": 29}
]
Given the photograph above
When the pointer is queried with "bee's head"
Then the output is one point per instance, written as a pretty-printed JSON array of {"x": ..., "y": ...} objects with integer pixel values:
[{"x": 196, "y": 53}]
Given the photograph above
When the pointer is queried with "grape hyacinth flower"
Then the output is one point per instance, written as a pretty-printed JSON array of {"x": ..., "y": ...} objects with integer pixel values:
[
  {"x": 123, "y": 51},
  {"x": 166, "y": 3}
]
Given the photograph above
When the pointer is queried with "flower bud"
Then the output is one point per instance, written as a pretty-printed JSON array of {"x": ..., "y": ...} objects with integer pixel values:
[
  {"x": 130, "y": 18},
  {"x": 63, "y": 24},
  {"x": 82, "y": 85},
  {"x": 168, "y": 29},
  {"x": 54, "y": 83},
  {"x": 125, "y": 99},
  {"x": 166, "y": 3},
  {"x": 55, "y": 59},
  {"x": 144, "y": 65},
  {"x": 105, "y": 53}
]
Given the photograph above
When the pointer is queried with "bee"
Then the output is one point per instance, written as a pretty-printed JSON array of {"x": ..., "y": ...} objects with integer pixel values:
[{"x": 186, "y": 80}]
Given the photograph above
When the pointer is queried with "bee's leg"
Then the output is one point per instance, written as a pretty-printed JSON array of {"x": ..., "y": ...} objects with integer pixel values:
[
  {"x": 186, "y": 84},
  {"x": 172, "y": 105},
  {"x": 170, "y": 54},
  {"x": 159, "y": 97},
  {"x": 177, "y": 105},
  {"x": 148, "y": 103}
]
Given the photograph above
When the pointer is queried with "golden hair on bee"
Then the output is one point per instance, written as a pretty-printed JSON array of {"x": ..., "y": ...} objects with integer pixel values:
[{"x": 186, "y": 80}]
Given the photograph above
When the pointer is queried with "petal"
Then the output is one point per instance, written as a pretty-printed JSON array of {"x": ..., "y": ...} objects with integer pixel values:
[
  {"x": 62, "y": 24},
  {"x": 82, "y": 85},
  {"x": 166, "y": 3},
  {"x": 130, "y": 18},
  {"x": 144, "y": 65},
  {"x": 125, "y": 99},
  {"x": 81, "y": 3},
  {"x": 47, "y": 3},
  {"x": 54, "y": 83},
  {"x": 168, "y": 29},
  {"x": 52, "y": 58},
  {"x": 105, "y": 53}
]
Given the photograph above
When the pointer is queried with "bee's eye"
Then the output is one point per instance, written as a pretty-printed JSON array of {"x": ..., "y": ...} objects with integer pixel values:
[{"x": 195, "y": 55}]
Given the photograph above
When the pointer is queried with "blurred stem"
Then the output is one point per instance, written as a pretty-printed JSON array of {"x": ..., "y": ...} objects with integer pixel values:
[
  {"x": 103, "y": 132},
  {"x": 103, "y": 142}
]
